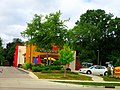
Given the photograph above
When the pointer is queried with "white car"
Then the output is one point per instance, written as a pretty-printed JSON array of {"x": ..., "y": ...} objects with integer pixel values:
[{"x": 96, "y": 70}]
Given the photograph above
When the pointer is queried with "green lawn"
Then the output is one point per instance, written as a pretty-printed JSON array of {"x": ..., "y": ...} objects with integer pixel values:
[
  {"x": 106, "y": 78},
  {"x": 70, "y": 76},
  {"x": 75, "y": 76}
]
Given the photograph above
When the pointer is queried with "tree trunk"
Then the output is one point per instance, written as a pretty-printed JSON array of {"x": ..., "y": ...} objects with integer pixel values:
[{"x": 64, "y": 70}]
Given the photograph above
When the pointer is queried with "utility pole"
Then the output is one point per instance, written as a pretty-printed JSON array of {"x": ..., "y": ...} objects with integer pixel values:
[{"x": 98, "y": 57}]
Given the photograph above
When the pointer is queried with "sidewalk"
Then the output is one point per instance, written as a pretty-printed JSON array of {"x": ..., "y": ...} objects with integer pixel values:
[{"x": 94, "y": 78}]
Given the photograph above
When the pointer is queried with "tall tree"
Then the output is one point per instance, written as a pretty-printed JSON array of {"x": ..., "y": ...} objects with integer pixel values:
[
  {"x": 113, "y": 41},
  {"x": 46, "y": 31},
  {"x": 91, "y": 33}
]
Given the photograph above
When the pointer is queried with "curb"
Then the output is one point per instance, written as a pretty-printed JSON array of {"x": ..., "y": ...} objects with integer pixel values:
[
  {"x": 25, "y": 71},
  {"x": 31, "y": 74},
  {"x": 107, "y": 87}
]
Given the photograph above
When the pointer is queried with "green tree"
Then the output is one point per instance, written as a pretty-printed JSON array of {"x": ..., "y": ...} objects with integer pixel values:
[
  {"x": 84, "y": 41},
  {"x": 46, "y": 31},
  {"x": 114, "y": 58},
  {"x": 1, "y": 53},
  {"x": 91, "y": 34},
  {"x": 66, "y": 56}
]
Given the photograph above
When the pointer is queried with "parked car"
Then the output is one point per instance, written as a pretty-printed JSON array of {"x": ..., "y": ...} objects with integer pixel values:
[
  {"x": 68, "y": 69},
  {"x": 96, "y": 70}
]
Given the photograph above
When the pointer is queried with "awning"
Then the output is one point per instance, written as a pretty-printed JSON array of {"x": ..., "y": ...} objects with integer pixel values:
[{"x": 50, "y": 58}]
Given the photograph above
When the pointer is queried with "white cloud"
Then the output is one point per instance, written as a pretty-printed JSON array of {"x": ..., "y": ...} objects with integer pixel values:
[{"x": 15, "y": 13}]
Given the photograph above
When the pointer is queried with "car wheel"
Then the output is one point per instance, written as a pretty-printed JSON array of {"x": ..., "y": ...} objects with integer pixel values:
[
  {"x": 89, "y": 72},
  {"x": 106, "y": 73}
]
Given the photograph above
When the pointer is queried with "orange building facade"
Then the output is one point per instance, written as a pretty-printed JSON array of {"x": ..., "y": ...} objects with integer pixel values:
[{"x": 31, "y": 53}]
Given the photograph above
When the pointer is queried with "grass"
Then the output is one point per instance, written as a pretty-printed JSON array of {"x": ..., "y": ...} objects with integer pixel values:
[
  {"x": 69, "y": 76},
  {"x": 91, "y": 83},
  {"x": 75, "y": 76},
  {"x": 107, "y": 78}
]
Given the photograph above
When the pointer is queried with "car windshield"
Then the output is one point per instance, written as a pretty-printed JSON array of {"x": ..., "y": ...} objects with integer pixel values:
[{"x": 91, "y": 67}]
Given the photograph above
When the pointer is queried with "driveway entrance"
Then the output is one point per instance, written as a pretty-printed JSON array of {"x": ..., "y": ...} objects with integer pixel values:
[{"x": 12, "y": 72}]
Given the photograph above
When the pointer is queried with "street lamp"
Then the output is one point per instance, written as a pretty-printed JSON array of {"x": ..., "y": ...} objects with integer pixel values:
[{"x": 98, "y": 57}]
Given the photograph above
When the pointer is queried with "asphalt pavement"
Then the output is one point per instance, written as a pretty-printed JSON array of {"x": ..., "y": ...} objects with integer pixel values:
[
  {"x": 32, "y": 84},
  {"x": 13, "y": 79},
  {"x": 12, "y": 72}
]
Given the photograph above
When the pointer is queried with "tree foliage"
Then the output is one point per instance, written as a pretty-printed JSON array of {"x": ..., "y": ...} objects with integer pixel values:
[
  {"x": 1, "y": 53},
  {"x": 44, "y": 31},
  {"x": 66, "y": 56},
  {"x": 96, "y": 30}
]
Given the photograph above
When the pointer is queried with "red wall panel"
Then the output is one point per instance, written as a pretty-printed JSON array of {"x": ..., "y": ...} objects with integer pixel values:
[{"x": 16, "y": 56}]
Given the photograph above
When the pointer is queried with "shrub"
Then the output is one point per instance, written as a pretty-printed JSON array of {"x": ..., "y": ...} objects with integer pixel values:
[
  {"x": 47, "y": 68},
  {"x": 62, "y": 70},
  {"x": 48, "y": 71},
  {"x": 57, "y": 62},
  {"x": 41, "y": 67},
  {"x": 67, "y": 70},
  {"x": 27, "y": 65},
  {"x": 24, "y": 67},
  {"x": 37, "y": 69},
  {"x": 74, "y": 73},
  {"x": 55, "y": 67}
]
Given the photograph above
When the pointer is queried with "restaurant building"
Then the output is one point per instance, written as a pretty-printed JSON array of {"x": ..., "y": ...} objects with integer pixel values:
[{"x": 28, "y": 53}]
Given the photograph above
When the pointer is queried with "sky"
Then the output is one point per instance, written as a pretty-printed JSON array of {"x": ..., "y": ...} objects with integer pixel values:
[{"x": 15, "y": 14}]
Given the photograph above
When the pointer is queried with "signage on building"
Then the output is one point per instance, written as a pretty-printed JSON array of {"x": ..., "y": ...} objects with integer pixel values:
[
  {"x": 51, "y": 51},
  {"x": 117, "y": 71}
]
